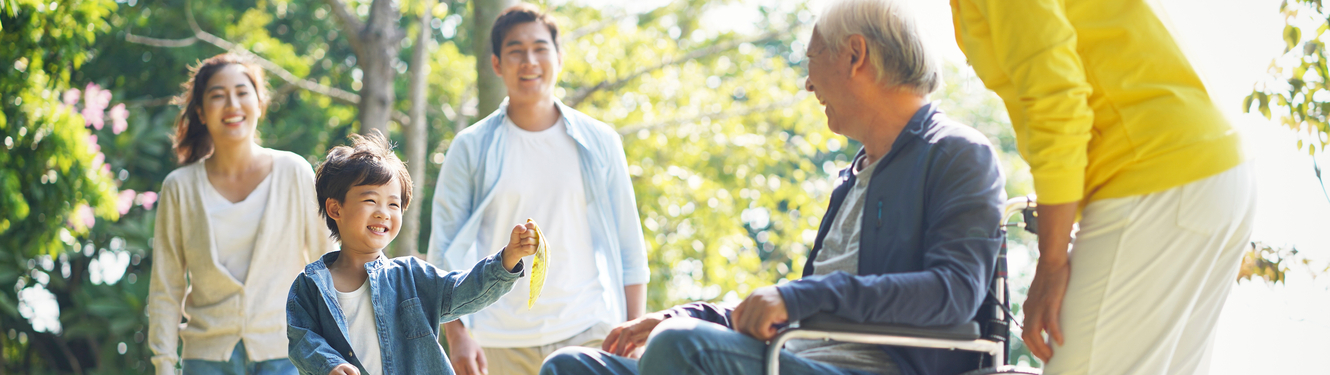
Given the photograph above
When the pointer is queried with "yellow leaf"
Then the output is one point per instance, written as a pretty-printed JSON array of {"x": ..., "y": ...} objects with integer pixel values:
[{"x": 539, "y": 264}]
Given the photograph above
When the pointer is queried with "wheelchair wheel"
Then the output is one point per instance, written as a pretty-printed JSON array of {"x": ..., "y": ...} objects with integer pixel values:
[{"x": 1005, "y": 370}]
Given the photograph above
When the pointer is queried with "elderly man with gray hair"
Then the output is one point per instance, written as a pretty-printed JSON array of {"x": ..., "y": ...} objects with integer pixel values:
[{"x": 910, "y": 236}]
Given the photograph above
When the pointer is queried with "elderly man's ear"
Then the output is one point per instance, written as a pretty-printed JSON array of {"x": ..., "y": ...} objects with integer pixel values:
[{"x": 857, "y": 47}]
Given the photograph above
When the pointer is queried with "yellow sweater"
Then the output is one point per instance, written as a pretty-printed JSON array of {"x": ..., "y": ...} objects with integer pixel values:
[{"x": 1103, "y": 101}]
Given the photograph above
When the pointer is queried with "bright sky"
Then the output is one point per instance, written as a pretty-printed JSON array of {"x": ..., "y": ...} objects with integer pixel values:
[{"x": 1264, "y": 329}]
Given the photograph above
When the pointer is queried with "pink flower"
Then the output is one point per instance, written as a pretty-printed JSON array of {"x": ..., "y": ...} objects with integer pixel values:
[
  {"x": 82, "y": 215},
  {"x": 118, "y": 115},
  {"x": 95, "y": 98},
  {"x": 98, "y": 160},
  {"x": 147, "y": 199},
  {"x": 95, "y": 101},
  {"x": 125, "y": 201},
  {"x": 92, "y": 118},
  {"x": 71, "y": 97},
  {"x": 93, "y": 145}
]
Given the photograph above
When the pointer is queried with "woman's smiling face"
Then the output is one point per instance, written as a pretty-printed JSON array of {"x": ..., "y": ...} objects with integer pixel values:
[{"x": 231, "y": 105}]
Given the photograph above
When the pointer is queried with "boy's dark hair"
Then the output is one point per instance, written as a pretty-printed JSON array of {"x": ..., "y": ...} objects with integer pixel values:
[
  {"x": 368, "y": 161},
  {"x": 517, "y": 15}
]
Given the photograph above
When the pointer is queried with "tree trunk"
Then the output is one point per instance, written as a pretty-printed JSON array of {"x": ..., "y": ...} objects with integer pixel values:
[
  {"x": 376, "y": 42},
  {"x": 417, "y": 139},
  {"x": 380, "y": 41},
  {"x": 376, "y": 93},
  {"x": 491, "y": 90}
]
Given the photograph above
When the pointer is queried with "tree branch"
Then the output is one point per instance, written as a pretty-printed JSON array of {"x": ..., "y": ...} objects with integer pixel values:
[
  {"x": 338, "y": 95},
  {"x": 581, "y": 94},
  {"x": 716, "y": 115},
  {"x": 153, "y": 102},
  {"x": 351, "y": 24},
  {"x": 593, "y": 28},
  {"x": 155, "y": 42}
]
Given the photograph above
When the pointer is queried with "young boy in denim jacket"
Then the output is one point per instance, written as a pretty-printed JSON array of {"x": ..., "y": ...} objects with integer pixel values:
[{"x": 356, "y": 312}]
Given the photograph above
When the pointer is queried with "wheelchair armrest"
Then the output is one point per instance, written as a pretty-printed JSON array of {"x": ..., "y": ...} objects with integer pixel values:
[{"x": 828, "y": 322}]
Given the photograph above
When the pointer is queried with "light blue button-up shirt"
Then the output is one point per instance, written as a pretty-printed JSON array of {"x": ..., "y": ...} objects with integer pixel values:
[{"x": 471, "y": 170}]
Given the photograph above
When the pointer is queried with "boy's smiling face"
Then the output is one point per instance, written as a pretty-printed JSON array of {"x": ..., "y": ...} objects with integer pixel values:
[{"x": 370, "y": 217}]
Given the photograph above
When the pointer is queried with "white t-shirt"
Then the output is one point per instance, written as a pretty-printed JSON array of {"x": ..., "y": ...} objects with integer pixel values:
[
  {"x": 235, "y": 226},
  {"x": 358, "y": 309},
  {"x": 541, "y": 179}
]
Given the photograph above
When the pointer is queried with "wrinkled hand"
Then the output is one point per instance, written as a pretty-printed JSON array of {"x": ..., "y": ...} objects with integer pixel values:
[
  {"x": 628, "y": 338},
  {"x": 344, "y": 369},
  {"x": 1043, "y": 307},
  {"x": 758, "y": 315},
  {"x": 520, "y": 244},
  {"x": 466, "y": 356}
]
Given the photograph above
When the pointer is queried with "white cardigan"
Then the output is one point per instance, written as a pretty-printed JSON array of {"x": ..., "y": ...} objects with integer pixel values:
[{"x": 188, "y": 280}]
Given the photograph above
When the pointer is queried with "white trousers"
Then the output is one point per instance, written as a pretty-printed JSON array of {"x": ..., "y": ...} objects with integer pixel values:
[{"x": 1149, "y": 276}]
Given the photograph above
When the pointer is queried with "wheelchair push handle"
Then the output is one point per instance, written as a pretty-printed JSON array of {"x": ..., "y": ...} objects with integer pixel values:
[{"x": 1025, "y": 206}]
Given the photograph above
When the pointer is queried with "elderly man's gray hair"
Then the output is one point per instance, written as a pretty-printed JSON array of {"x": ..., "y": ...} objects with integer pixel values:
[{"x": 894, "y": 44}]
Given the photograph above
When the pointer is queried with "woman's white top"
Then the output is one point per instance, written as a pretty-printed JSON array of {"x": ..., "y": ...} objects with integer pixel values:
[{"x": 240, "y": 222}]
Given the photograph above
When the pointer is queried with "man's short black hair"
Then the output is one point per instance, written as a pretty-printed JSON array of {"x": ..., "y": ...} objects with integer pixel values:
[
  {"x": 517, "y": 15},
  {"x": 368, "y": 161}
]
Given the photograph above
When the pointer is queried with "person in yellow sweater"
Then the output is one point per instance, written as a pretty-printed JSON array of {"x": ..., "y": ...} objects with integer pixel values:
[{"x": 1119, "y": 131}]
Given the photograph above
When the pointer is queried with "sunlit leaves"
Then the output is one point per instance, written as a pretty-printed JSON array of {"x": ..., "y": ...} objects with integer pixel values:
[
  {"x": 726, "y": 195},
  {"x": 1298, "y": 94},
  {"x": 1273, "y": 263}
]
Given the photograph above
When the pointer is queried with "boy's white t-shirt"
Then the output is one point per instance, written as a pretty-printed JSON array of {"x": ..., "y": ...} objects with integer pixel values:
[
  {"x": 358, "y": 310},
  {"x": 235, "y": 226},
  {"x": 541, "y": 179}
]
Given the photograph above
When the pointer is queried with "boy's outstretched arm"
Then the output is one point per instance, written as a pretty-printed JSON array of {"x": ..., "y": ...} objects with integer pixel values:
[
  {"x": 306, "y": 347},
  {"x": 468, "y": 292}
]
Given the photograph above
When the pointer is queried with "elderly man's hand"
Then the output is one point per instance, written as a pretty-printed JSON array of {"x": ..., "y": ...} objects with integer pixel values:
[
  {"x": 628, "y": 338},
  {"x": 760, "y": 313}
]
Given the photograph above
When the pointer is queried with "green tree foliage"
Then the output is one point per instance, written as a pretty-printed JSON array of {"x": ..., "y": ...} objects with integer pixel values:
[
  {"x": 49, "y": 163},
  {"x": 56, "y": 184},
  {"x": 729, "y": 157}
]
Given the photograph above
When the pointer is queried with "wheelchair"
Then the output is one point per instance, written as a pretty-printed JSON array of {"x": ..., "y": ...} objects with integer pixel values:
[{"x": 987, "y": 334}]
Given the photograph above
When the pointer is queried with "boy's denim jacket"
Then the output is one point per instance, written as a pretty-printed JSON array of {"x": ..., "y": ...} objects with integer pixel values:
[{"x": 410, "y": 298}]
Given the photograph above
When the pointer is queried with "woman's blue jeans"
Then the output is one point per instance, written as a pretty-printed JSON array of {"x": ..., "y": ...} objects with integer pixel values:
[{"x": 238, "y": 365}]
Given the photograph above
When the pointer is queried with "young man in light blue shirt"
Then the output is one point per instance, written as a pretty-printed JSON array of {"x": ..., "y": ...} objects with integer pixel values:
[{"x": 583, "y": 201}]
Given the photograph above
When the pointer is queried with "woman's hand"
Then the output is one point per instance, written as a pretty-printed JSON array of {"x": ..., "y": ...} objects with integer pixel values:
[
  {"x": 1043, "y": 307},
  {"x": 1043, "y": 304}
]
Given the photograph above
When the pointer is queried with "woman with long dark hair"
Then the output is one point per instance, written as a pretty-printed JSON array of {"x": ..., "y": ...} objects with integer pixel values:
[{"x": 236, "y": 223}]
